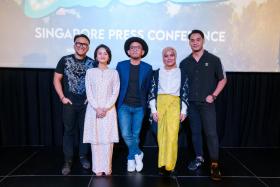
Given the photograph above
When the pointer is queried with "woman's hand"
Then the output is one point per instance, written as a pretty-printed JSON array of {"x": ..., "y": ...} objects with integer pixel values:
[
  {"x": 182, "y": 117},
  {"x": 155, "y": 117},
  {"x": 100, "y": 113}
]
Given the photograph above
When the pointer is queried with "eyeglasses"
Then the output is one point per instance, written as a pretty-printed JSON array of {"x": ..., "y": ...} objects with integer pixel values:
[
  {"x": 79, "y": 44},
  {"x": 138, "y": 47}
]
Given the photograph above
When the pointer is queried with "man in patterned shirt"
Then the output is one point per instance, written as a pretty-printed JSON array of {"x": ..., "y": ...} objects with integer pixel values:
[{"x": 69, "y": 83}]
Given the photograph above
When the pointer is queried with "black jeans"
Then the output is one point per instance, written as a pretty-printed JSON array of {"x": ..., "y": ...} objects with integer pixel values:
[
  {"x": 73, "y": 119},
  {"x": 203, "y": 117}
]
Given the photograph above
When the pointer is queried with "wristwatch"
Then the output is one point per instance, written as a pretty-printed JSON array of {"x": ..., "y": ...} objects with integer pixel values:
[{"x": 214, "y": 96}]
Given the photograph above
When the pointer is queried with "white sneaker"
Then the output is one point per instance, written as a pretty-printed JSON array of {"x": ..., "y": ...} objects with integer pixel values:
[
  {"x": 130, "y": 165},
  {"x": 139, "y": 162}
]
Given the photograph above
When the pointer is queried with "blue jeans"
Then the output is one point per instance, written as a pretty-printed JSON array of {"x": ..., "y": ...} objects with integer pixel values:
[{"x": 130, "y": 123}]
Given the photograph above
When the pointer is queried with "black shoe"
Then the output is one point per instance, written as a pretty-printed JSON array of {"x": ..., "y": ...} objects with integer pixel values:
[
  {"x": 84, "y": 162},
  {"x": 161, "y": 171},
  {"x": 215, "y": 172},
  {"x": 171, "y": 173},
  {"x": 196, "y": 163},
  {"x": 66, "y": 169},
  {"x": 166, "y": 173}
]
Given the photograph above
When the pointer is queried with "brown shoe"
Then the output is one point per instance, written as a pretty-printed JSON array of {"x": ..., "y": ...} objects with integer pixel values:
[{"x": 215, "y": 172}]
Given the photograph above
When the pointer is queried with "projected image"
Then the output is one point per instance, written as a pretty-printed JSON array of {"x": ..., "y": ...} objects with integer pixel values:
[
  {"x": 40, "y": 8},
  {"x": 244, "y": 34}
]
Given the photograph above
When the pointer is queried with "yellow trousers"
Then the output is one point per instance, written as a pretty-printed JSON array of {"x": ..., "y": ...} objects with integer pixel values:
[{"x": 168, "y": 108}]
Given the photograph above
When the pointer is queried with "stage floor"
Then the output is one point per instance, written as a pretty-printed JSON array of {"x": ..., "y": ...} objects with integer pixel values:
[{"x": 41, "y": 166}]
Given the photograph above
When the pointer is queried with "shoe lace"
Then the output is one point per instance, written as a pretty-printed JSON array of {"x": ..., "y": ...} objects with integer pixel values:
[{"x": 198, "y": 161}]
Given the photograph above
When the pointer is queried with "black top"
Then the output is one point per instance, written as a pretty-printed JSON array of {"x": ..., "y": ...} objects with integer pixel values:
[
  {"x": 132, "y": 97},
  {"x": 74, "y": 72},
  {"x": 203, "y": 75}
]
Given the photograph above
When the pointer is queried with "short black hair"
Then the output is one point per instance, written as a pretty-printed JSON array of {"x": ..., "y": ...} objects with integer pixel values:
[
  {"x": 196, "y": 31},
  {"x": 81, "y": 35},
  {"x": 107, "y": 49}
]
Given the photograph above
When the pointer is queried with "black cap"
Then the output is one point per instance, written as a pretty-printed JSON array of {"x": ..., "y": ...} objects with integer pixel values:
[{"x": 139, "y": 40}]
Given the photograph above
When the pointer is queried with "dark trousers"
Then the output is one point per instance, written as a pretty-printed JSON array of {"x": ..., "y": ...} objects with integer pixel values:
[
  {"x": 73, "y": 119},
  {"x": 203, "y": 117}
]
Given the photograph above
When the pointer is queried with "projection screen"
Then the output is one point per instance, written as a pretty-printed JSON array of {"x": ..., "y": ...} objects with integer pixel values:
[{"x": 245, "y": 34}]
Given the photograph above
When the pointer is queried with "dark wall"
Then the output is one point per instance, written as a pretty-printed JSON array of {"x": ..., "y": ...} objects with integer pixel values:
[{"x": 248, "y": 110}]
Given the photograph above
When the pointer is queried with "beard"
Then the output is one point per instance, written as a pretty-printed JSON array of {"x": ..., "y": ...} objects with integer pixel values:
[
  {"x": 136, "y": 57},
  {"x": 197, "y": 49}
]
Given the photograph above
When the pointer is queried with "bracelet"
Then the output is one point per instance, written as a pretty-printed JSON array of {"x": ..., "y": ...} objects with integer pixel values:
[
  {"x": 214, "y": 97},
  {"x": 61, "y": 99}
]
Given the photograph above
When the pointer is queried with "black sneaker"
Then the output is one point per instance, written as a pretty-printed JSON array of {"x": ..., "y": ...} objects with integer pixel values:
[
  {"x": 172, "y": 173},
  {"x": 161, "y": 171},
  {"x": 215, "y": 172},
  {"x": 166, "y": 173},
  {"x": 84, "y": 162},
  {"x": 196, "y": 163},
  {"x": 66, "y": 169}
]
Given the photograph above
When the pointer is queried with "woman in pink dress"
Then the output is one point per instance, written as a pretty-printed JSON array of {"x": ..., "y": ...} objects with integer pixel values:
[{"x": 101, "y": 129}]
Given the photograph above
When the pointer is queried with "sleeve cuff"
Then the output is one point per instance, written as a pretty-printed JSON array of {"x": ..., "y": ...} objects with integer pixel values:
[
  {"x": 153, "y": 106},
  {"x": 184, "y": 108}
]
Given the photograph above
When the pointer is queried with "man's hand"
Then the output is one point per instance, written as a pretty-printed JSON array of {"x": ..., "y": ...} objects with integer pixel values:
[
  {"x": 65, "y": 101},
  {"x": 210, "y": 99}
]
